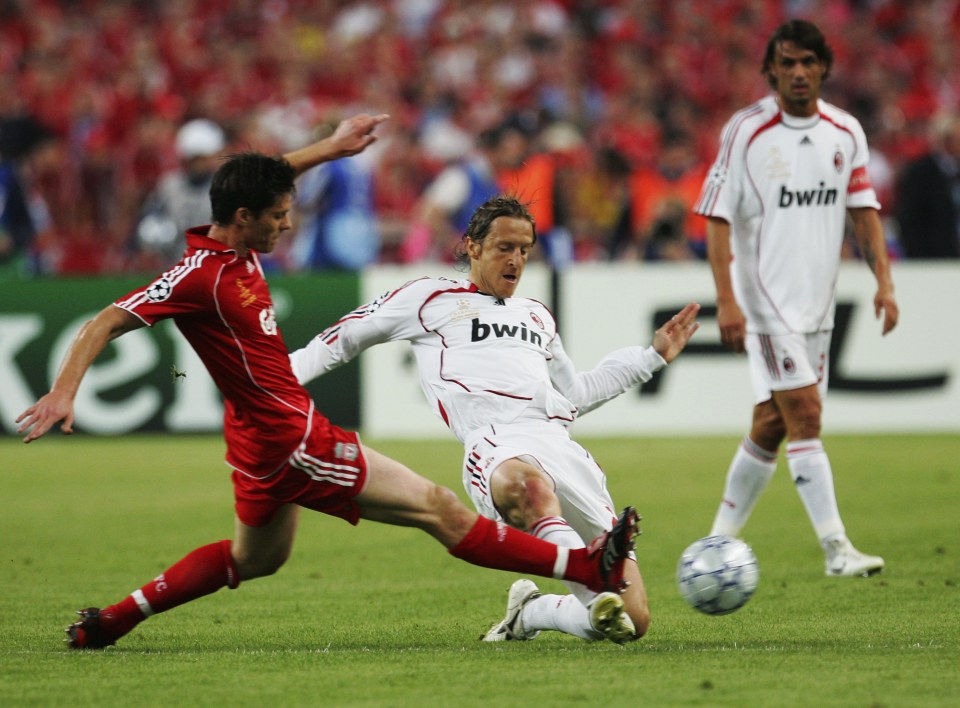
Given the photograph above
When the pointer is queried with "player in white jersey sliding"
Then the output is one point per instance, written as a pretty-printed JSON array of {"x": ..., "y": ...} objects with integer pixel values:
[
  {"x": 494, "y": 369},
  {"x": 790, "y": 169}
]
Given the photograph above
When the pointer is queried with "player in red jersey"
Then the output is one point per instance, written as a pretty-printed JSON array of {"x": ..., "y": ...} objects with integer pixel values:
[{"x": 284, "y": 453}]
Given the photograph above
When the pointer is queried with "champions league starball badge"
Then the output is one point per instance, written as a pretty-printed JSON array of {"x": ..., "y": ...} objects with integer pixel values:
[{"x": 160, "y": 290}]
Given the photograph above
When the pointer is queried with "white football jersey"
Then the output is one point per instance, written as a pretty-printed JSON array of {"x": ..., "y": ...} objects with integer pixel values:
[
  {"x": 784, "y": 184},
  {"x": 481, "y": 360}
]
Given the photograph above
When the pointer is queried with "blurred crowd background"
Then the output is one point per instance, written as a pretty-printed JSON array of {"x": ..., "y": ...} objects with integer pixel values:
[{"x": 604, "y": 115}]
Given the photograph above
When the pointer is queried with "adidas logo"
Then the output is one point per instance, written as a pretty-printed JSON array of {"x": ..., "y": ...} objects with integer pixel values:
[{"x": 806, "y": 140}]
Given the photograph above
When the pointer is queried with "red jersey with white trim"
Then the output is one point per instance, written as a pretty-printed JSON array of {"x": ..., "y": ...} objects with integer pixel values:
[
  {"x": 481, "y": 360},
  {"x": 784, "y": 184},
  {"x": 221, "y": 304}
]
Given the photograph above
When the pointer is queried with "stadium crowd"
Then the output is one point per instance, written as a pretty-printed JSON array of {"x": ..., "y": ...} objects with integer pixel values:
[{"x": 603, "y": 114}]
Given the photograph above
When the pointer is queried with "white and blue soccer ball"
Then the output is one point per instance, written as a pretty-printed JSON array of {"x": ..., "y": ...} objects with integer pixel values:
[{"x": 717, "y": 574}]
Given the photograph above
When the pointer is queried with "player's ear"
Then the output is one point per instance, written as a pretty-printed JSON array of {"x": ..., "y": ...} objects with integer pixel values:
[
  {"x": 242, "y": 216},
  {"x": 473, "y": 247}
]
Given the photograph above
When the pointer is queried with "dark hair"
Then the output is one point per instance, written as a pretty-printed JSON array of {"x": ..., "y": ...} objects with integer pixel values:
[
  {"x": 249, "y": 180},
  {"x": 805, "y": 35},
  {"x": 484, "y": 216}
]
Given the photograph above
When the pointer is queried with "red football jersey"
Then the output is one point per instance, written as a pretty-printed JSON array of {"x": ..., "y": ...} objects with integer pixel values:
[{"x": 221, "y": 304}]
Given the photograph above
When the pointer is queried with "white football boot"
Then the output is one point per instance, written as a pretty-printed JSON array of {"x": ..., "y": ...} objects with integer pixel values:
[
  {"x": 510, "y": 628},
  {"x": 608, "y": 616},
  {"x": 845, "y": 561}
]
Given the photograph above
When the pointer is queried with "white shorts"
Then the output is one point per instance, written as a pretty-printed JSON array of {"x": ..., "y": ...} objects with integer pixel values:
[
  {"x": 783, "y": 362},
  {"x": 578, "y": 481}
]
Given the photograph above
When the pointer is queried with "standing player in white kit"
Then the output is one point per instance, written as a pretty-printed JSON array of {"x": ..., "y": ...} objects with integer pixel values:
[
  {"x": 493, "y": 368},
  {"x": 791, "y": 167}
]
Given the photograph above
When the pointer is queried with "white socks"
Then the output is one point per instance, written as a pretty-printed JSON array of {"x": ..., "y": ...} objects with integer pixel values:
[
  {"x": 750, "y": 472},
  {"x": 564, "y": 613},
  {"x": 813, "y": 478},
  {"x": 557, "y": 531}
]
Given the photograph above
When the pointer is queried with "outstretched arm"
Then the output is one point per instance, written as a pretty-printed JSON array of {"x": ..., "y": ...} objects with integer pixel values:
[
  {"x": 868, "y": 230},
  {"x": 352, "y": 135},
  {"x": 57, "y": 405},
  {"x": 624, "y": 368}
]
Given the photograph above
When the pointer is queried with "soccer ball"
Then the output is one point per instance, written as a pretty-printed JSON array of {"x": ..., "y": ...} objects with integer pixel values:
[{"x": 717, "y": 574}]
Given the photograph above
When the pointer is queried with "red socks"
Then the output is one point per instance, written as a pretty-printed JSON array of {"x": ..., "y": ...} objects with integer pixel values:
[
  {"x": 488, "y": 544},
  {"x": 493, "y": 545},
  {"x": 199, "y": 573}
]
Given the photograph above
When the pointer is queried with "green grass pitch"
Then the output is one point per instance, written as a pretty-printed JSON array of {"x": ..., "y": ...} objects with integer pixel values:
[{"x": 382, "y": 616}]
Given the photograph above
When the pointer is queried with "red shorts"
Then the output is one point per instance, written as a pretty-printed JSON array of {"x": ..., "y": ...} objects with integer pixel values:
[{"x": 325, "y": 474}]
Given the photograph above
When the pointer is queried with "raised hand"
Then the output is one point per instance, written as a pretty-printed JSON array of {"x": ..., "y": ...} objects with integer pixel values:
[
  {"x": 673, "y": 336},
  {"x": 355, "y": 134}
]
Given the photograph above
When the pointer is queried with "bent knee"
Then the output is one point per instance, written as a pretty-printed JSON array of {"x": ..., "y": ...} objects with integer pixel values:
[
  {"x": 541, "y": 497},
  {"x": 523, "y": 494}
]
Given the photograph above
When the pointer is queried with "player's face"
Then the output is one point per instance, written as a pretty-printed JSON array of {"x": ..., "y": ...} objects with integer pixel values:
[
  {"x": 264, "y": 231},
  {"x": 798, "y": 74},
  {"x": 497, "y": 263}
]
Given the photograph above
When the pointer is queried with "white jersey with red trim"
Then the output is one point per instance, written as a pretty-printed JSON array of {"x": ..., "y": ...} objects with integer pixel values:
[
  {"x": 482, "y": 360},
  {"x": 784, "y": 184}
]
